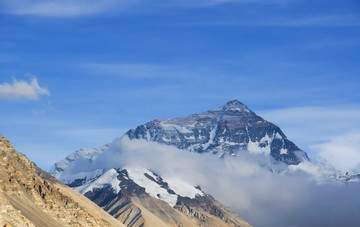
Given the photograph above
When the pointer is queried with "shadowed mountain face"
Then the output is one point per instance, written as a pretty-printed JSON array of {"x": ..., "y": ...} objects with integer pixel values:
[
  {"x": 227, "y": 130},
  {"x": 31, "y": 197}
]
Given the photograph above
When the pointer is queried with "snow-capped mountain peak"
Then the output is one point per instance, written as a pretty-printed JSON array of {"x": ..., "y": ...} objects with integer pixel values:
[
  {"x": 234, "y": 105},
  {"x": 226, "y": 130}
]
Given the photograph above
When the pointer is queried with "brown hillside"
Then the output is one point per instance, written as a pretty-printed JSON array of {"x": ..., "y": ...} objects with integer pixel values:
[{"x": 31, "y": 197}]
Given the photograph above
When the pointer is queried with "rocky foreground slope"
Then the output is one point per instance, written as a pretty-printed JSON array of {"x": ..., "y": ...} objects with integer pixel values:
[{"x": 31, "y": 197}]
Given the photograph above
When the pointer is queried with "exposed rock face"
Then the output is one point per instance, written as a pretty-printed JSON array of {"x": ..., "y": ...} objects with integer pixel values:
[
  {"x": 31, "y": 197},
  {"x": 227, "y": 130},
  {"x": 203, "y": 205}
]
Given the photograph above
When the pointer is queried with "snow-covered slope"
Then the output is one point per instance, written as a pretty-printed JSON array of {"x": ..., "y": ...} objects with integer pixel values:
[
  {"x": 107, "y": 180},
  {"x": 117, "y": 180},
  {"x": 127, "y": 193}
]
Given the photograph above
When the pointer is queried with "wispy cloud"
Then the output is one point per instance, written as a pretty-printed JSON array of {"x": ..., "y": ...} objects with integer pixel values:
[
  {"x": 74, "y": 8},
  {"x": 141, "y": 70},
  {"x": 63, "y": 8},
  {"x": 210, "y": 3},
  {"x": 327, "y": 20},
  {"x": 20, "y": 89},
  {"x": 334, "y": 20},
  {"x": 341, "y": 151},
  {"x": 129, "y": 70}
]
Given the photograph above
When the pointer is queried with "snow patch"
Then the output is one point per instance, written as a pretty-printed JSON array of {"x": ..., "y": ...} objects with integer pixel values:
[
  {"x": 108, "y": 179},
  {"x": 167, "y": 126},
  {"x": 278, "y": 136},
  {"x": 148, "y": 136},
  {"x": 283, "y": 151},
  {"x": 137, "y": 175},
  {"x": 69, "y": 178},
  {"x": 183, "y": 189},
  {"x": 254, "y": 147},
  {"x": 191, "y": 137},
  {"x": 211, "y": 138}
]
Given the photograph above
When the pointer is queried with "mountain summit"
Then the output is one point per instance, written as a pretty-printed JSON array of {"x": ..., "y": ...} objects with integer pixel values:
[
  {"x": 234, "y": 106},
  {"x": 226, "y": 130}
]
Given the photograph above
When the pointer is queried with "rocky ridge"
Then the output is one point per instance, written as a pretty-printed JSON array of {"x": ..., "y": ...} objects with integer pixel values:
[{"x": 31, "y": 197}]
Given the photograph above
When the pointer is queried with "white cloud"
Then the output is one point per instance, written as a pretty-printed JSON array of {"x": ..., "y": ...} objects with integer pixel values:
[
  {"x": 63, "y": 8},
  {"x": 21, "y": 89},
  {"x": 341, "y": 151},
  {"x": 260, "y": 197}
]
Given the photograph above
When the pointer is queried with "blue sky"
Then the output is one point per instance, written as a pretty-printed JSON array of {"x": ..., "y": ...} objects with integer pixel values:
[{"x": 80, "y": 73}]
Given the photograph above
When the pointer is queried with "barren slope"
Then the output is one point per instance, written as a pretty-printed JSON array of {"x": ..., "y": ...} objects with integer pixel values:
[{"x": 31, "y": 197}]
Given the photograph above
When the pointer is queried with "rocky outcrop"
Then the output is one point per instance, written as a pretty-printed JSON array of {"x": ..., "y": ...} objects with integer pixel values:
[
  {"x": 31, "y": 197},
  {"x": 201, "y": 206}
]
